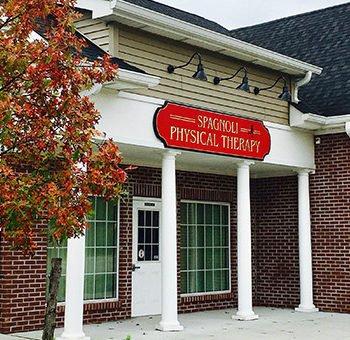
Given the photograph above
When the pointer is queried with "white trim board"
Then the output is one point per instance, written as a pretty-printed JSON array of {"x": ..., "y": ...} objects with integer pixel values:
[{"x": 143, "y": 18}]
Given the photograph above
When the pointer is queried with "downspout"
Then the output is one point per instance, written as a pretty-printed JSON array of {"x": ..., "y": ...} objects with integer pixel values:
[
  {"x": 300, "y": 83},
  {"x": 347, "y": 128}
]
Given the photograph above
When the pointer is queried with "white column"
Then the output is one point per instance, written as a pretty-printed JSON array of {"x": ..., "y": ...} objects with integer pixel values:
[
  {"x": 305, "y": 252},
  {"x": 244, "y": 256},
  {"x": 169, "y": 320},
  {"x": 73, "y": 316}
]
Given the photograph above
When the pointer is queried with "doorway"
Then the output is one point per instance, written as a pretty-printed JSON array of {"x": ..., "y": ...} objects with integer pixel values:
[{"x": 146, "y": 270}]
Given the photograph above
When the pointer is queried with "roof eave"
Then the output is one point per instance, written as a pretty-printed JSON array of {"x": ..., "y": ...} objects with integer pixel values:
[
  {"x": 133, "y": 15},
  {"x": 319, "y": 124},
  {"x": 132, "y": 80}
]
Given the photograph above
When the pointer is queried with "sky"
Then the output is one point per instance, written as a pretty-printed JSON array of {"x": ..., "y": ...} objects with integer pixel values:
[{"x": 240, "y": 13}]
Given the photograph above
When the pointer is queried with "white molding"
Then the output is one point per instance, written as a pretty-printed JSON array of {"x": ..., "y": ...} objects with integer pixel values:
[
  {"x": 277, "y": 126},
  {"x": 165, "y": 25},
  {"x": 319, "y": 124},
  {"x": 132, "y": 80},
  {"x": 94, "y": 90},
  {"x": 136, "y": 77},
  {"x": 141, "y": 98},
  {"x": 347, "y": 128}
]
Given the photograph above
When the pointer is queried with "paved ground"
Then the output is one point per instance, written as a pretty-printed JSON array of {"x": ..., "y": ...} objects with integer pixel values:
[{"x": 273, "y": 324}]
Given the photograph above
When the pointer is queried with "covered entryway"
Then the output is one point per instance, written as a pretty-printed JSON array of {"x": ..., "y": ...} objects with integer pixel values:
[{"x": 292, "y": 151}]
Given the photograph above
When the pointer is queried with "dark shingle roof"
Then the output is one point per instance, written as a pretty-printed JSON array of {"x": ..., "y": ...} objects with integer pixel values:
[
  {"x": 321, "y": 38},
  {"x": 91, "y": 51},
  {"x": 181, "y": 15}
]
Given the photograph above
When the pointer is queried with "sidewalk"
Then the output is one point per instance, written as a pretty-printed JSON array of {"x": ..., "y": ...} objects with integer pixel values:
[{"x": 273, "y": 324}]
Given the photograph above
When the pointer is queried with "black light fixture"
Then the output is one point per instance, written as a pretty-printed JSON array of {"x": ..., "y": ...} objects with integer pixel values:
[
  {"x": 200, "y": 73},
  {"x": 244, "y": 86},
  {"x": 285, "y": 95}
]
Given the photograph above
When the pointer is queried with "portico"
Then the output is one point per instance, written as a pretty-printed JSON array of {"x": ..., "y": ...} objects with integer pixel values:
[{"x": 142, "y": 148}]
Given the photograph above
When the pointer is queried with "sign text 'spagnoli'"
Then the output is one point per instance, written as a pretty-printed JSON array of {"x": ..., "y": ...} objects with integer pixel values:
[{"x": 190, "y": 128}]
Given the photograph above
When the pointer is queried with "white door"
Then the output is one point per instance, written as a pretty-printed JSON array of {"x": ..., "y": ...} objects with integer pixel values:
[{"x": 146, "y": 275}]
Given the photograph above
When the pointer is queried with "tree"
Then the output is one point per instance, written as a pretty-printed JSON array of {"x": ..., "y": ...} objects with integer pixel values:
[{"x": 49, "y": 162}]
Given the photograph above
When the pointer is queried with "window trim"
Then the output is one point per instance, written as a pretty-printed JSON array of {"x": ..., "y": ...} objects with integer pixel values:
[{"x": 221, "y": 292}]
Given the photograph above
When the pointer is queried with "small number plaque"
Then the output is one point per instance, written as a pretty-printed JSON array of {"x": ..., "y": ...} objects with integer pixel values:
[{"x": 141, "y": 254}]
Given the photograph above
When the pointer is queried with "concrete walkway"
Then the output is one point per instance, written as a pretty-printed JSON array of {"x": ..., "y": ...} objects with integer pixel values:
[{"x": 273, "y": 324}]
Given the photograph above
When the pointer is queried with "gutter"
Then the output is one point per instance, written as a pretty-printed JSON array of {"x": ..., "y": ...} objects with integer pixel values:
[
  {"x": 302, "y": 82},
  {"x": 125, "y": 80},
  {"x": 119, "y": 10}
]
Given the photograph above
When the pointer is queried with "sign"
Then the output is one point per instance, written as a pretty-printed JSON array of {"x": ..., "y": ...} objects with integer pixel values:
[
  {"x": 141, "y": 254},
  {"x": 189, "y": 128}
]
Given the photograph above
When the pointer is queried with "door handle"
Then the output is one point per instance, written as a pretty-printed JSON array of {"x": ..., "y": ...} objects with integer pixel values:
[{"x": 134, "y": 267}]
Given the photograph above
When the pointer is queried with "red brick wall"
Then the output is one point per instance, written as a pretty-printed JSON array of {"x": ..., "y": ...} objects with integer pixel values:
[
  {"x": 22, "y": 288},
  {"x": 18, "y": 290},
  {"x": 275, "y": 232},
  {"x": 275, "y": 244},
  {"x": 330, "y": 205}
]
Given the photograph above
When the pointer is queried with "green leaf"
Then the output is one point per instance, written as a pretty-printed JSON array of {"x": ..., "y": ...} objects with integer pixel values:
[{"x": 76, "y": 155}]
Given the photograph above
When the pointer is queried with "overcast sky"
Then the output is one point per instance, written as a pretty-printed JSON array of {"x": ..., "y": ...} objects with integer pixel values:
[{"x": 240, "y": 13}]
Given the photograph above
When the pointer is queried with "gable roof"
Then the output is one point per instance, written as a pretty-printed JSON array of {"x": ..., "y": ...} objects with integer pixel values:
[
  {"x": 320, "y": 37},
  {"x": 180, "y": 15}
]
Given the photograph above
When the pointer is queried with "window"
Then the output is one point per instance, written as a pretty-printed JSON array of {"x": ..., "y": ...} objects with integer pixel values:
[
  {"x": 57, "y": 252},
  {"x": 148, "y": 236},
  {"x": 205, "y": 247},
  {"x": 101, "y": 253}
]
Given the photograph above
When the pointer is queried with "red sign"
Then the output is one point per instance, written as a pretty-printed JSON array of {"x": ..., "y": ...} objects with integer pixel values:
[{"x": 189, "y": 128}]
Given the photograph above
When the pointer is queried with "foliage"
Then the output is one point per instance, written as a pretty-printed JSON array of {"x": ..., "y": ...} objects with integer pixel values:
[{"x": 49, "y": 163}]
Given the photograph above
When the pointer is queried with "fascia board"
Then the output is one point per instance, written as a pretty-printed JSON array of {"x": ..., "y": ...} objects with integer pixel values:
[
  {"x": 163, "y": 22},
  {"x": 320, "y": 124},
  {"x": 127, "y": 80}
]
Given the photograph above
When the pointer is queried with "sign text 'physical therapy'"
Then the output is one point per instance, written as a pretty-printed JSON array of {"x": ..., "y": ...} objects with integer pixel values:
[{"x": 189, "y": 128}]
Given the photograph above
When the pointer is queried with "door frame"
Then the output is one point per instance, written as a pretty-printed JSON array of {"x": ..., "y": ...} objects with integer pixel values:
[{"x": 136, "y": 205}]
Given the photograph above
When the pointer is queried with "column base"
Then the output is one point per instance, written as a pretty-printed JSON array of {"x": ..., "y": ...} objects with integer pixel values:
[
  {"x": 170, "y": 327},
  {"x": 73, "y": 337},
  {"x": 245, "y": 317},
  {"x": 305, "y": 309}
]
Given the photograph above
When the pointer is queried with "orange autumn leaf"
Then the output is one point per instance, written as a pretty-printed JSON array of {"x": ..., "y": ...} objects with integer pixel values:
[{"x": 47, "y": 126}]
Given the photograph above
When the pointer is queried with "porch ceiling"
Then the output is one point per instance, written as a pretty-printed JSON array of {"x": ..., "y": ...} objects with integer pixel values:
[{"x": 200, "y": 162}]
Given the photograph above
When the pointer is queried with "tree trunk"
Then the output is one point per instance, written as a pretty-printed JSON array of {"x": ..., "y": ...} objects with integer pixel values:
[{"x": 51, "y": 303}]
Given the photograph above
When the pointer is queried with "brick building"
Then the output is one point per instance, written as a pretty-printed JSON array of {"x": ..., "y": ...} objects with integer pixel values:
[{"x": 234, "y": 229}]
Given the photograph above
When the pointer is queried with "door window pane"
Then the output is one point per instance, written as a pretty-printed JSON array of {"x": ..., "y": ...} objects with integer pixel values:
[
  {"x": 148, "y": 236},
  {"x": 205, "y": 248},
  {"x": 155, "y": 219}
]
